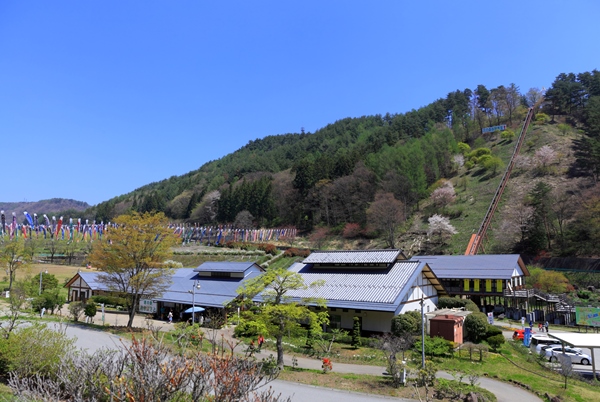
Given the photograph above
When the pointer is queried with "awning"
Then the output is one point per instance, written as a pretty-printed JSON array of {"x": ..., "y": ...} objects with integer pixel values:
[{"x": 194, "y": 309}]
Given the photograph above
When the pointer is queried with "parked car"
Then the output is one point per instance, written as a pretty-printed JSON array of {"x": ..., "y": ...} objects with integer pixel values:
[
  {"x": 540, "y": 340},
  {"x": 575, "y": 356},
  {"x": 541, "y": 349},
  {"x": 519, "y": 334}
]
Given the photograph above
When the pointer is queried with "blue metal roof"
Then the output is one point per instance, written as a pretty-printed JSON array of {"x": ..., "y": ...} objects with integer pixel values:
[
  {"x": 368, "y": 289},
  {"x": 213, "y": 292},
  {"x": 481, "y": 266},
  {"x": 225, "y": 266},
  {"x": 91, "y": 278}
]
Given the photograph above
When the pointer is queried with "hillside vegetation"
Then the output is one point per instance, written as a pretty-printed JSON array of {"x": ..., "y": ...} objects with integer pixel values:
[
  {"x": 430, "y": 163},
  {"x": 53, "y": 206}
]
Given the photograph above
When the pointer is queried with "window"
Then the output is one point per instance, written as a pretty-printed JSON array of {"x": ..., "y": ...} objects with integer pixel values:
[
  {"x": 358, "y": 311},
  {"x": 335, "y": 321},
  {"x": 344, "y": 310}
]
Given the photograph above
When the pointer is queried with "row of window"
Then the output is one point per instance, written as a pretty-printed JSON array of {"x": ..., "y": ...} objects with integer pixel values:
[{"x": 475, "y": 285}]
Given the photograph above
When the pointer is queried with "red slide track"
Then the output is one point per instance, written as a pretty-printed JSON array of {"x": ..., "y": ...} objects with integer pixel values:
[{"x": 476, "y": 241}]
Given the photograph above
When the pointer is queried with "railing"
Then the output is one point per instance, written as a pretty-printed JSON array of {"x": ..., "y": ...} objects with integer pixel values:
[
  {"x": 476, "y": 241},
  {"x": 523, "y": 293}
]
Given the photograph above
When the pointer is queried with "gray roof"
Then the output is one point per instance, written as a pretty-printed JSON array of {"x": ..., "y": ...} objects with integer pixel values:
[
  {"x": 225, "y": 266},
  {"x": 91, "y": 278},
  {"x": 213, "y": 292},
  {"x": 353, "y": 257},
  {"x": 370, "y": 289},
  {"x": 481, "y": 266}
]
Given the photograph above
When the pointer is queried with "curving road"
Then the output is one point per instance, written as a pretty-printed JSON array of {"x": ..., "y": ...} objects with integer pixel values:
[{"x": 93, "y": 340}]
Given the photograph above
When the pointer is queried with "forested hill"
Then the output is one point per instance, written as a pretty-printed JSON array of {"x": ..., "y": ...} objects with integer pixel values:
[
  {"x": 330, "y": 178},
  {"x": 51, "y": 206}
]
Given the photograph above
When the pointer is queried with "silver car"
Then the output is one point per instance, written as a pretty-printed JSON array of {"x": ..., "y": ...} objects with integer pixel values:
[{"x": 576, "y": 356}]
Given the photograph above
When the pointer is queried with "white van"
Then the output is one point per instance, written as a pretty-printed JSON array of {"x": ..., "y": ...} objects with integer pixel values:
[{"x": 537, "y": 341}]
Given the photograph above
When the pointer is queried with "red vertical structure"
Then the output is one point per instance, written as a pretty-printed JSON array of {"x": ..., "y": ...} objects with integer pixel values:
[{"x": 476, "y": 241}]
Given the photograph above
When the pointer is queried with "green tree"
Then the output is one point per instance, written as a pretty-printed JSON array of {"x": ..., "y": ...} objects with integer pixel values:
[
  {"x": 90, "y": 309},
  {"x": 48, "y": 282},
  {"x": 132, "y": 257},
  {"x": 547, "y": 281},
  {"x": 280, "y": 314},
  {"x": 540, "y": 234},
  {"x": 356, "y": 333},
  {"x": 496, "y": 341},
  {"x": 475, "y": 326},
  {"x": 13, "y": 256},
  {"x": 407, "y": 323},
  {"x": 493, "y": 164}
]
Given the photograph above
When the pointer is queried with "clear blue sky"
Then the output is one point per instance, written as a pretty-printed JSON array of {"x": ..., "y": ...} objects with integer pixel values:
[{"x": 98, "y": 98}]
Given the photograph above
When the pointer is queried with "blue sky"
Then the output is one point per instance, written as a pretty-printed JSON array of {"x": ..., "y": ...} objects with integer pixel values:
[{"x": 98, "y": 98}]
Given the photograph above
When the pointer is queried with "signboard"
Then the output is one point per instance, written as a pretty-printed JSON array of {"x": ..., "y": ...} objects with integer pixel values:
[
  {"x": 147, "y": 306},
  {"x": 490, "y": 318},
  {"x": 493, "y": 128},
  {"x": 527, "y": 337},
  {"x": 589, "y": 316}
]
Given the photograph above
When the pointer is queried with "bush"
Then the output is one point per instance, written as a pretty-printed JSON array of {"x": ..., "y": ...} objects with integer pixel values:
[
  {"x": 455, "y": 302},
  {"x": 492, "y": 331},
  {"x": 75, "y": 310},
  {"x": 90, "y": 309},
  {"x": 351, "y": 230},
  {"x": 496, "y": 341},
  {"x": 407, "y": 323},
  {"x": 436, "y": 346},
  {"x": 33, "y": 350},
  {"x": 268, "y": 248},
  {"x": 475, "y": 327},
  {"x": 248, "y": 328},
  {"x": 109, "y": 300},
  {"x": 294, "y": 252}
]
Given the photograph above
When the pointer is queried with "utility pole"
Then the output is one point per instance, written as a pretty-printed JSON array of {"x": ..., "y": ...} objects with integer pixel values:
[{"x": 422, "y": 331}]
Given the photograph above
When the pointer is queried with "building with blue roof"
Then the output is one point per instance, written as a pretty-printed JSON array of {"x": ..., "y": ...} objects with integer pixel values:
[
  {"x": 374, "y": 285},
  {"x": 211, "y": 285},
  {"x": 487, "y": 279}
]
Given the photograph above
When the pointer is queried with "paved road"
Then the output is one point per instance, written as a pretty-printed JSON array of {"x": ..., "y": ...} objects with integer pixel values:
[{"x": 94, "y": 339}]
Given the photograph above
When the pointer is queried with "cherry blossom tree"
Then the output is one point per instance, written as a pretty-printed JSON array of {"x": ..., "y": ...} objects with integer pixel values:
[
  {"x": 544, "y": 157},
  {"x": 444, "y": 195},
  {"x": 440, "y": 226}
]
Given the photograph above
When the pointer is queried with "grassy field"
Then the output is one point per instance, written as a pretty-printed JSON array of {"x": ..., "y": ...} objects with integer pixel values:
[{"x": 62, "y": 272}]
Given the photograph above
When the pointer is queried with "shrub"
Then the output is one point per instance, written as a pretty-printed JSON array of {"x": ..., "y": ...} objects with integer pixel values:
[
  {"x": 294, "y": 252},
  {"x": 455, "y": 302},
  {"x": 351, "y": 230},
  {"x": 90, "y": 309},
  {"x": 75, "y": 310},
  {"x": 407, "y": 323},
  {"x": 492, "y": 331},
  {"x": 475, "y": 327},
  {"x": 268, "y": 248},
  {"x": 109, "y": 300},
  {"x": 508, "y": 134},
  {"x": 33, "y": 350},
  {"x": 248, "y": 328},
  {"x": 496, "y": 341}
]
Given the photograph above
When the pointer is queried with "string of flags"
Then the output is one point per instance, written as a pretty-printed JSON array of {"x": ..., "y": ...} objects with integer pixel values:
[
  {"x": 52, "y": 228},
  {"x": 225, "y": 233},
  {"x": 34, "y": 227}
]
